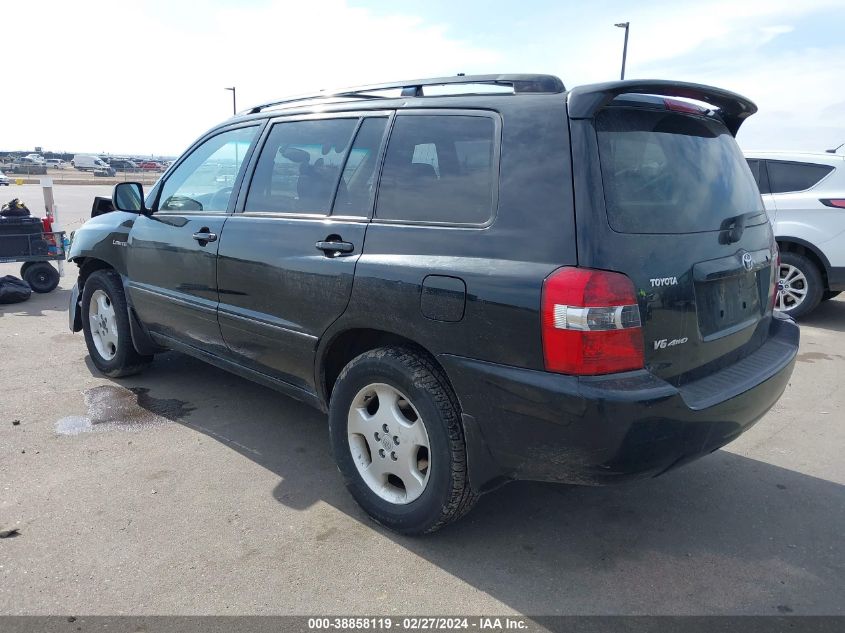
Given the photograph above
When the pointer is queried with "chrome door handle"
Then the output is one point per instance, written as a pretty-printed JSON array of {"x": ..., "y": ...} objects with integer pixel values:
[
  {"x": 205, "y": 236},
  {"x": 335, "y": 248}
]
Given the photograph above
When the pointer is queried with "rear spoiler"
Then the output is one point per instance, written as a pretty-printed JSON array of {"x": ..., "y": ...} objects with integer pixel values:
[{"x": 584, "y": 101}]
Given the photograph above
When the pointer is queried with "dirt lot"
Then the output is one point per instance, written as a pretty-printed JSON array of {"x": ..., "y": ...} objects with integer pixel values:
[{"x": 199, "y": 492}]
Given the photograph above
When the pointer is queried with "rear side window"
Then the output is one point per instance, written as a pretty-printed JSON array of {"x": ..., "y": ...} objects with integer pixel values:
[
  {"x": 299, "y": 166},
  {"x": 440, "y": 169},
  {"x": 786, "y": 176},
  {"x": 761, "y": 177},
  {"x": 665, "y": 172}
]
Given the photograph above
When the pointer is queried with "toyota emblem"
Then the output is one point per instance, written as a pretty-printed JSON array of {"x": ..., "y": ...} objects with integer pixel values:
[{"x": 747, "y": 261}]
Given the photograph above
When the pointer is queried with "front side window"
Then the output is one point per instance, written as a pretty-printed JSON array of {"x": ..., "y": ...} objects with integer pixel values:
[
  {"x": 440, "y": 169},
  {"x": 785, "y": 176},
  {"x": 300, "y": 165},
  {"x": 204, "y": 181}
]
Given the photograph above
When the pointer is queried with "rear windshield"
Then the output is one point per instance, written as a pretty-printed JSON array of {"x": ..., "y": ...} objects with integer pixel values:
[{"x": 666, "y": 172}]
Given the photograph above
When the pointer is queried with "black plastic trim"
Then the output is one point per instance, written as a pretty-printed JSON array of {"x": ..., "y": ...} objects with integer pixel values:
[
  {"x": 74, "y": 309},
  {"x": 776, "y": 353},
  {"x": 836, "y": 278},
  {"x": 810, "y": 247},
  {"x": 286, "y": 388}
]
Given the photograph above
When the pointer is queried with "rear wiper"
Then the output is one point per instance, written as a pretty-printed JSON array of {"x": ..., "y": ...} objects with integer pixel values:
[{"x": 732, "y": 228}]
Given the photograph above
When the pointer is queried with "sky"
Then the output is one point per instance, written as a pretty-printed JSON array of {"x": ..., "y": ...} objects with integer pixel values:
[{"x": 148, "y": 76}]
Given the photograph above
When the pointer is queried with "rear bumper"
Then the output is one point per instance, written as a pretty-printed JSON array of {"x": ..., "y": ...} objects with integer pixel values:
[{"x": 526, "y": 424}]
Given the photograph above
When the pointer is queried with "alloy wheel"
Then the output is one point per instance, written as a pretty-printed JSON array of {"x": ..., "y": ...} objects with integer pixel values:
[{"x": 792, "y": 287}]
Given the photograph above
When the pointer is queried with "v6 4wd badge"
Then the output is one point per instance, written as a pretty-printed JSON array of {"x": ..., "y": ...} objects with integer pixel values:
[{"x": 665, "y": 342}]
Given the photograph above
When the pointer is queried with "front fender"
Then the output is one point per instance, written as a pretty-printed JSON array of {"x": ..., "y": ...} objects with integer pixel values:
[{"x": 105, "y": 237}]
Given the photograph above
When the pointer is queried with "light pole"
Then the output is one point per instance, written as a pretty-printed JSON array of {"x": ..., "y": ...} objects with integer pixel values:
[
  {"x": 621, "y": 25},
  {"x": 235, "y": 103}
]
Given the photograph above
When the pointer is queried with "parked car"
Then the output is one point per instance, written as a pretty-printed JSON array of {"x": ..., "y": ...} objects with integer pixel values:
[
  {"x": 4, "y": 179},
  {"x": 88, "y": 162},
  {"x": 56, "y": 163},
  {"x": 571, "y": 286},
  {"x": 25, "y": 165},
  {"x": 123, "y": 164},
  {"x": 35, "y": 158},
  {"x": 149, "y": 165},
  {"x": 804, "y": 195}
]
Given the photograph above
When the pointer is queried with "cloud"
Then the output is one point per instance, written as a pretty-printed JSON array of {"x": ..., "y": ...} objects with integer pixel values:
[
  {"x": 770, "y": 32},
  {"x": 127, "y": 80},
  {"x": 149, "y": 76}
]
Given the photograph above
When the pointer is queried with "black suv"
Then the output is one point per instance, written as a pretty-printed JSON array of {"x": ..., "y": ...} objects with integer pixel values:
[{"x": 480, "y": 279}]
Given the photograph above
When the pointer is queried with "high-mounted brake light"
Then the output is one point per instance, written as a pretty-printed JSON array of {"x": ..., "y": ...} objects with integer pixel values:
[
  {"x": 590, "y": 323},
  {"x": 837, "y": 203},
  {"x": 683, "y": 106}
]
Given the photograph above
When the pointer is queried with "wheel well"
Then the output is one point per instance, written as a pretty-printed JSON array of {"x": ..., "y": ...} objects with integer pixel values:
[
  {"x": 786, "y": 246},
  {"x": 90, "y": 265},
  {"x": 351, "y": 343}
]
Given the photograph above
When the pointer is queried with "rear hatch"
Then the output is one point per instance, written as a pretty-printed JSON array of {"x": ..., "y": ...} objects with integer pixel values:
[{"x": 679, "y": 213}]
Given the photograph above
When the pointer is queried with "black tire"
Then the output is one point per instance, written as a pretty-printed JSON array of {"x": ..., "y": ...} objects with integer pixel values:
[
  {"x": 814, "y": 284},
  {"x": 126, "y": 361},
  {"x": 24, "y": 267},
  {"x": 447, "y": 495},
  {"x": 41, "y": 277},
  {"x": 830, "y": 294}
]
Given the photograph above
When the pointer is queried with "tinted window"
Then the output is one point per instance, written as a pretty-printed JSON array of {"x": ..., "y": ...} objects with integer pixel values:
[
  {"x": 758, "y": 170},
  {"x": 204, "y": 180},
  {"x": 439, "y": 169},
  {"x": 754, "y": 166},
  {"x": 784, "y": 176},
  {"x": 299, "y": 166},
  {"x": 358, "y": 182},
  {"x": 665, "y": 172}
]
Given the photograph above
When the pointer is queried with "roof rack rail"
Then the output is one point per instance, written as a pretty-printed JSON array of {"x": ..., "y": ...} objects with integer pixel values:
[{"x": 520, "y": 83}]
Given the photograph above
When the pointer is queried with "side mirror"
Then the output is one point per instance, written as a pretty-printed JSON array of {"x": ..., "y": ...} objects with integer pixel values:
[{"x": 129, "y": 196}]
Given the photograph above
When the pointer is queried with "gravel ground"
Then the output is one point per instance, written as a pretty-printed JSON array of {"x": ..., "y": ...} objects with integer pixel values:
[{"x": 187, "y": 490}]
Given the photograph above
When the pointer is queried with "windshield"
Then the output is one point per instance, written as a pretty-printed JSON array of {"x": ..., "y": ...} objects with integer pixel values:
[{"x": 665, "y": 172}]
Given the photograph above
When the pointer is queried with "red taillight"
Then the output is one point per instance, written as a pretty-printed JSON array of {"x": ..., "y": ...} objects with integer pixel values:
[
  {"x": 683, "y": 106},
  {"x": 837, "y": 203},
  {"x": 590, "y": 323}
]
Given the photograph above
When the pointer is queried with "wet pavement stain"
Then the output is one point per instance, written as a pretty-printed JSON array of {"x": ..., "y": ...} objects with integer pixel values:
[
  {"x": 111, "y": 407},
  {"x": 809, "y": 357}
]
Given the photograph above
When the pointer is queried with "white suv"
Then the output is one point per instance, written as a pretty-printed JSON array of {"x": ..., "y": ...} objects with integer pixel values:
[{"x": 804, "y": 194}]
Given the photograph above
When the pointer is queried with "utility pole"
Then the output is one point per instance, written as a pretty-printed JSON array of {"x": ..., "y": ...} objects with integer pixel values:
[
  {"x": 235, "y": 103},
  {"x": 626, "y": 26}
]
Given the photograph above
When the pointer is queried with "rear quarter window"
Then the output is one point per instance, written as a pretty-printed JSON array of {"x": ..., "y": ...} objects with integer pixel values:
[
  {"x": 785, "y": 176},
  {"x": 439, "y": 169},
  {"x": 665, "y": 172}
]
